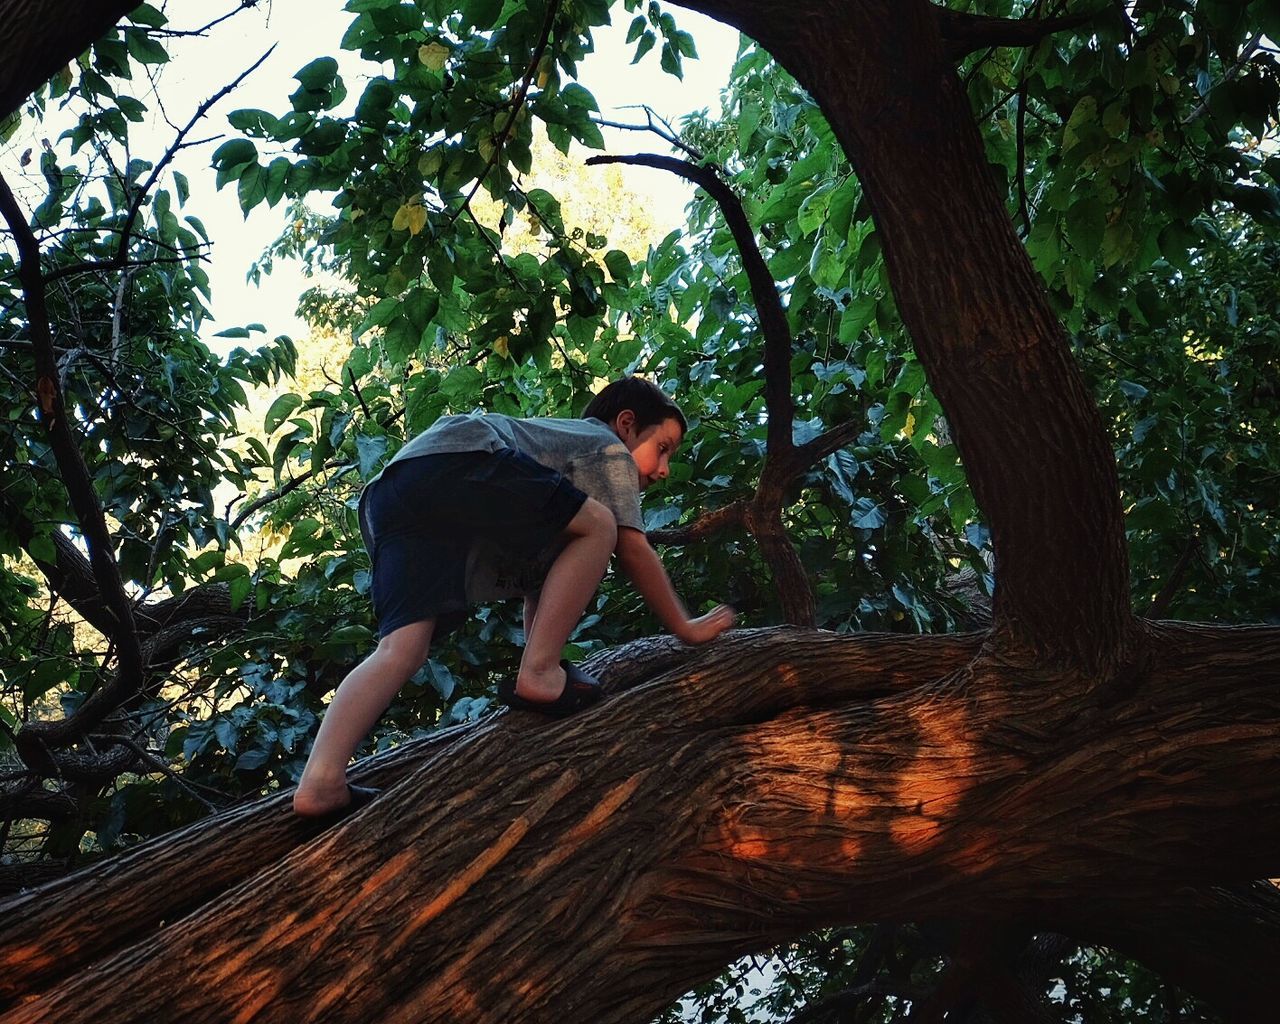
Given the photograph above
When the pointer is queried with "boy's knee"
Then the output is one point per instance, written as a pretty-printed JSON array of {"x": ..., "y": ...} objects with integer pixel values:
[
  {"x": 594, "y": 519},
  {"x": 403, "y": 651}
]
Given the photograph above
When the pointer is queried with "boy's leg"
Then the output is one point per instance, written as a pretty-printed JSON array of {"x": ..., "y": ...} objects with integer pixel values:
[
  {"x": 574, "y": 576},
  {"x": 356, "y": 706}
]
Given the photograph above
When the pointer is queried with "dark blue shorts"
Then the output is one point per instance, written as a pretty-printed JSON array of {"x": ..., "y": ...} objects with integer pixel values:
[{"x": 420, "y": 519}]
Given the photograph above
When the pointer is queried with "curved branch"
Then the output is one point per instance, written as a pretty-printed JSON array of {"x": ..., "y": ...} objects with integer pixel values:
[
  {"x": 763, "y": 514},
  {"x": 764, "y": 292},
  {"x": 84, "y": 499}
]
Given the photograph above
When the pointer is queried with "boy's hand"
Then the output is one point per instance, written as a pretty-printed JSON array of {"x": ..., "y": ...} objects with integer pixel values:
[{"x": 709, "y": 626}]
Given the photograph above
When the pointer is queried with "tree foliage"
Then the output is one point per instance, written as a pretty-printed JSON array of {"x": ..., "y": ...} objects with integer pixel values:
[{"x": 1135, "y": 147}]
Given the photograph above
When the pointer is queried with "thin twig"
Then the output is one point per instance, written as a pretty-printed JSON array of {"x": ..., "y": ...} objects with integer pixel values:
[
  {"x": 516, "y": 104},
  {"x": 134, "y": 207},
  {"x": 171, "y": 33},
  {"x": 665, "y": 133}
]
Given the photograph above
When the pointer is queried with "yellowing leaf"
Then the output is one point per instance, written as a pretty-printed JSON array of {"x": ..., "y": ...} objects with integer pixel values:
[
  {"x": 909, "y": 427},
  {"x": 412, "y": 216},
  {"x": 501, "y": 346},
  {"x": 433, "y": 55}
]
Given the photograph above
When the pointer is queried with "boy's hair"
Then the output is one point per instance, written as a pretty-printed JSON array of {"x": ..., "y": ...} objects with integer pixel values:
[{"x": 649, "y": 402}]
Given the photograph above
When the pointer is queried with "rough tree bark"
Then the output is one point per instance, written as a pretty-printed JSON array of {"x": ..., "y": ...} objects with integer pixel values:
[
  {"x": 1075, "y": 769},
  {"x": 53, "y": 32}
]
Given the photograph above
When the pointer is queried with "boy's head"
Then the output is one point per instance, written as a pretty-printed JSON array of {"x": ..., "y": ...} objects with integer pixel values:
[
  {"x": 647, "y": 421},
  {"x": 650, "y": 404}
]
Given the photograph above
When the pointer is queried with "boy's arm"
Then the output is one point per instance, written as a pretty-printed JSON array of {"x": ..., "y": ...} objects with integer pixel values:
[{"x": 642, "y": 566}]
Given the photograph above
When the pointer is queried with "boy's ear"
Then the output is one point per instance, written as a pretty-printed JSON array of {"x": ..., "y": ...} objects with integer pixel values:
[{"x": 624, "y": 422}]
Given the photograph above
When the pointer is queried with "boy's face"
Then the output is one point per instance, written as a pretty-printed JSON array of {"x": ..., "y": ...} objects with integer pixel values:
[{"x": 652, "y": 447}]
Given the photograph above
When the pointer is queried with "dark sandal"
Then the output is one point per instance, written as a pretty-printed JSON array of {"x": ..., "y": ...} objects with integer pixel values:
[
  {"x": 580, "y": 692},
  {"x": 361, "y": 796}
]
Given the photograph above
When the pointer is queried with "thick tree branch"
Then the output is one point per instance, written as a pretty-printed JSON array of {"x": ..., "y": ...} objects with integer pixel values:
[
  {"x": 963, "y": 33},
  {"x": 39, "y": 941},
  {"x": 787, "y": 779}
]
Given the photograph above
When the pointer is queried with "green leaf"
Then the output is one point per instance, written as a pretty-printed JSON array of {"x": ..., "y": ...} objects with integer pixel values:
[
  {"x": 254, "y": 122},
  {"x": 143, "y": 48},
  {"x": 644, "y": 46},
  {"x": 251, "y": 760},
  {"x": 379, "y": 316},
  {"x": 318, "y": 75},
  {"x": 324, "y": 138},
  {"x": 481, "y": 13},
  {"x": 280, "y": 411},
  {"x": 277, "y": 177},
  {"x": 238, "y": 589},
  {"x": 145, "y": 14},
  {"x": 461, "y": 385},
  {"x": 370, "y": 450},
  {"x": 1086, "y": 223},
  {"x": 353, "y": 634},
  {"x": 400, "y": 340},
  {"x": 670, "y": 61},
  {"x": 619, "y": 264},
  {"x": 252, "y": 187},
  {"x": 231, "y": 158}
]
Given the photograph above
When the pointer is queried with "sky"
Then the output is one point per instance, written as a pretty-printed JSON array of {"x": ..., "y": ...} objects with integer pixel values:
[{"x": 301, "y": 30}]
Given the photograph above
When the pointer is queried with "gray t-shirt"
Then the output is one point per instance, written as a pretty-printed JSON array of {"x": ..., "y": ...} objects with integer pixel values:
[{"x": 587, "y": 452}]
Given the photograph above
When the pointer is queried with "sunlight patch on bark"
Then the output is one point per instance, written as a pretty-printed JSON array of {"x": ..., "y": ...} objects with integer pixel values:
[{"x": 933, "y": 784}]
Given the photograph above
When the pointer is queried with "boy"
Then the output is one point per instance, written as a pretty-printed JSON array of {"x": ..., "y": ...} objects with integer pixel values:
[{"x": 482, "y": 507}]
